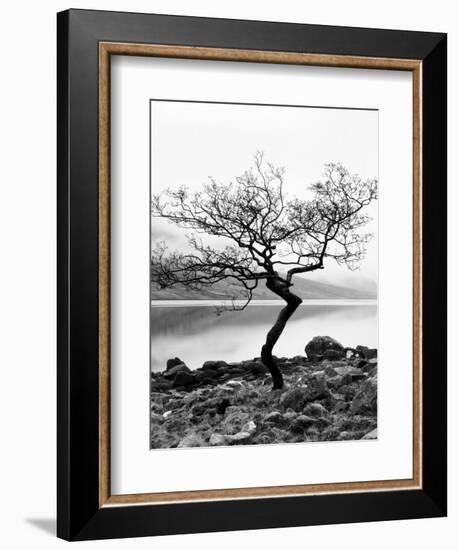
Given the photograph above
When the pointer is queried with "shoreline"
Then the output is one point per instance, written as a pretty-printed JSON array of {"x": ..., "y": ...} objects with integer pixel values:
[{"x": 220, "y": 404}]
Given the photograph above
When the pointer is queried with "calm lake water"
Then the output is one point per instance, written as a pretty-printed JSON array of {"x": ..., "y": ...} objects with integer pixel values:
[{"x": 193, "y": 331}]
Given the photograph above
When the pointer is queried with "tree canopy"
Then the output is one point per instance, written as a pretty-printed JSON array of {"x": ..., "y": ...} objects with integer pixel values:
[{"x": 267, "y": 234}]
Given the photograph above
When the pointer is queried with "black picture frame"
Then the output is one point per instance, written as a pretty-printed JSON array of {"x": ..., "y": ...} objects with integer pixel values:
[{"x": 80, "y": 516}]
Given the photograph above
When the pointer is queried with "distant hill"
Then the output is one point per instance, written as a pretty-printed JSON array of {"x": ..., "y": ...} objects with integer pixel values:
[{"x": 229, "y": 289}]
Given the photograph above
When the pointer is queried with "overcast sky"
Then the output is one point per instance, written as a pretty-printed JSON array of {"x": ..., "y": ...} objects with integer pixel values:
[{"x": 192, "y": 141}]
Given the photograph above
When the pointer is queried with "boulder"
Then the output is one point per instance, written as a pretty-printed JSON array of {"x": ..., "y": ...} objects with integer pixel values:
[
  {"x": 274, "y": 417},
  {"x": 316, "y": 410},
  {"x": 214, "y": 365},
  {"x": 222, "y": 405},
  {"x": 298, "y": 397},
  {"x": 176, "y": 403},
  {"x": 350, "y": 353},
  {"x": 289, "y": 416},
  {"x": 258, "y": 368},
  {"x": 249, "y": 427},
  {"x": 235, "y": 384},
  {"x": 156, "y": 417},
  {"x": 330, "y": 371},
  {"x": 353, "y": 372},
  {"x": 214, "y": 405},
  {"x": 366, "y": 353},
  {"x": 235, "y": 365},
  {"x": 240, "y": 437},
  {"x": 317, "y": 388},
  {"x": 372, "y": 354},
  {"x": 370, "y": 366},
  {"x": 333, "y": 354},
  {"x": 302, "y": 423},
  {"x": 174, "y": 362},
  {"x": 172, "y": 372},
  {"x": 191, "y": 440},
  {"x": 225, "y": 390},
  {"x": 184, "y": 379},
  {"x": 371, "y": 435},
  {"x": 234, "y": 421},
  {"x": 365, "y": 400},
  {"x": 234, "y": 373},
  {"x": 340, "y": 406},
  {"x": 337, "y": 381},
  {"x": 348, "y": 391},
  {"x": 265, "y": 438},
  {"x": 299, "y": 360},
  {"x": 217, "y": 439},
  {"x": 295, "y": 398},
  {"x": 160, "y": 385},
  {"x": 206, "y": 375},
  {"x": 361, "y": 351},
  {"x": 320, "y": 344}
]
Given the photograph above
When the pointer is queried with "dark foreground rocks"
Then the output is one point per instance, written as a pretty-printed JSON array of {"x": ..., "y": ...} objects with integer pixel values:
[{"x": 325, "y": 398}]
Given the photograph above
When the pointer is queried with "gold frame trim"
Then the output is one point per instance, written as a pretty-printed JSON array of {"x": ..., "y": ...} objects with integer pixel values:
[{"x": 106, "y": 50}]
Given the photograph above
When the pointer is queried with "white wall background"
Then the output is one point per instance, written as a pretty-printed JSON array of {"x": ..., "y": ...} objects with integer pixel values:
[{"x": 27, "y": 276}]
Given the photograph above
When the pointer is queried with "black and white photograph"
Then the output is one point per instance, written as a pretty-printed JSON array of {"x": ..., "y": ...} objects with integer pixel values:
[{"x": 264, "y": 269}]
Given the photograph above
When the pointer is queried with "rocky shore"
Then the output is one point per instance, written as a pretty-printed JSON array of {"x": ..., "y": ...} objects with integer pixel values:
[{"x": 330, "y": 394}]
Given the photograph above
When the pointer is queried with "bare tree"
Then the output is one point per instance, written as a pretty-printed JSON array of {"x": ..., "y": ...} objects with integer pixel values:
[{"x": 266, "y": 235}]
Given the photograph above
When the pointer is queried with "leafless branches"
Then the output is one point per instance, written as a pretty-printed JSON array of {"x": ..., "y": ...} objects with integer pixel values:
[{"x": 268, "y": 235}]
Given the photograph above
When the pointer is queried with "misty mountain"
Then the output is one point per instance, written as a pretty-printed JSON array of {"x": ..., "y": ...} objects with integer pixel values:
[{"x": 229, "y": 289}]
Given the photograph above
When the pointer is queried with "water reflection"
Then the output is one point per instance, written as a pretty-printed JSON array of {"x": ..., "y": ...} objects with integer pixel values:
[{"x": 196, "y": 333}]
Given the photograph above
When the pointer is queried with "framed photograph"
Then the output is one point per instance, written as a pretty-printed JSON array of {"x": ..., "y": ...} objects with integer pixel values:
[{"x": 251, "y": 275}]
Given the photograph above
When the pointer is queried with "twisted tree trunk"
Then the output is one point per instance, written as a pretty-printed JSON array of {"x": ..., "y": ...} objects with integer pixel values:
[{"x": 292, "y": 303}]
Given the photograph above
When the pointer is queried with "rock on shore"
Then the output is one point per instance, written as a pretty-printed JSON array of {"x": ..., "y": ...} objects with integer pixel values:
[{"x": 327, "y": 397}]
